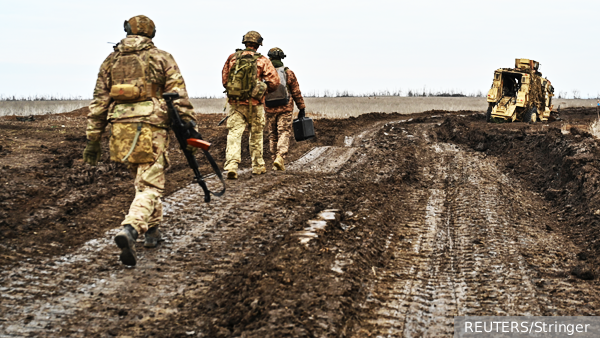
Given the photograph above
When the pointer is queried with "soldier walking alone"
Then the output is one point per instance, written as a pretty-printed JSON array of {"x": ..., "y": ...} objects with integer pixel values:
[
  {"x": 279, "y": 108},
  {"x": 247, "y": 76},
  {"x": 128, "y": 95}
]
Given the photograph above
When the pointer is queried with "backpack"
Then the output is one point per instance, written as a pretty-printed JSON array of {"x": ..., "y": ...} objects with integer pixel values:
[
  {"x": 128, "y": 75},
  {"x": 281, "y": 96},
  {"x": 242, "y": 83}
]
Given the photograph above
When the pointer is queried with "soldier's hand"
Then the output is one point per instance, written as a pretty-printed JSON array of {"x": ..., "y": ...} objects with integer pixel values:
[
  {"x": 301, "y": 113},
  {"x": 191, "y": 149},
  {"x": 92, "y": 152}
]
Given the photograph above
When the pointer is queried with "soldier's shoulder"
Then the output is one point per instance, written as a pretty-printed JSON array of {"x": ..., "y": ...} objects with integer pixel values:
[
  {"x": 111, "y": 55},
  {"x": 159, "y": 52},
  {"x": 109, "y": 59}
]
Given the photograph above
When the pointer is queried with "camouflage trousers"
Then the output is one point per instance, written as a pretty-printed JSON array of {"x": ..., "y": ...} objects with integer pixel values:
[
  {"x": 146, "y": 210},
  {"x": 279, "y": 129},
  {"x": 239, "y": 117}
]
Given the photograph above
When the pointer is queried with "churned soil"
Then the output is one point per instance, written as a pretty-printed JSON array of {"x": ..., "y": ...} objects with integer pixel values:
[
  {"x": 383, "y": 225},
  {"x": 51, "y": 201}
]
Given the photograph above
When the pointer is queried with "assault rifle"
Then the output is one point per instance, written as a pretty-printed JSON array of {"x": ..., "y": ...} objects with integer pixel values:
[
  {"x": 222, "y": 121},
  {"x": 187, "y": 135}
]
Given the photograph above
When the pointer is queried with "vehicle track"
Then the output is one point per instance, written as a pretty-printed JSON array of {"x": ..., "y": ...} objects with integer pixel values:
[
  {"x": 201, "y": 242},
  {"x": 465, "y": 251},
  {"x": 465, "y": 238},
  {"x": 91, "y": 283}
]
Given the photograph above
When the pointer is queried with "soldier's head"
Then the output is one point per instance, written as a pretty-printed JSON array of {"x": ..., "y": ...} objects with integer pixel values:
[
  {"x": 252, "y": 39},
  {"x": 140, "y": 25},
  {"x": 276, "y": 53}
]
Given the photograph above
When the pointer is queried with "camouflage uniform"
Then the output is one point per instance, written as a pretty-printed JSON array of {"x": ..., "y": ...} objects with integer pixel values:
[
  {"x": 239, "y": 116},
  {"x": 279, "y": 119},
  {"x": 149, "y": 158}
]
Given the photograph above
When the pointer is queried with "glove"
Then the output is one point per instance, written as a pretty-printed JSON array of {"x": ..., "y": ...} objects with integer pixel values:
[
  {"x": 92, "y": 152},
  {"x": 301, "y": 113},
  {"x": 191, "y": 149}
]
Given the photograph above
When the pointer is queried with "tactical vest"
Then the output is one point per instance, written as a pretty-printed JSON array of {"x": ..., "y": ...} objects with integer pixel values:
[
  {"x": 242, "y": 83},
  {"x": 281, "y": 96},
  {"x": 129, "y": 75}
]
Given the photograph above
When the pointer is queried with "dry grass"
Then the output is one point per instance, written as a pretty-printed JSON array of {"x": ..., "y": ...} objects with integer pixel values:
[
  {"x": 26, "y": 108},
  {"x": 567, "y": 103},
  {"x": 342, "y": 107},
  {"x": 318, "y": 107}
]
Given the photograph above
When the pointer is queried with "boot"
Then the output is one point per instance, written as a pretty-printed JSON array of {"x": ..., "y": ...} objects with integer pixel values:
[
  {"x": 259, "y": 170},
  {"x": 125, "y": 240},
  {"x": 278, "y": 164},
  {"x": 152, "y": 237},
  {"x": 232, "y": 174}
]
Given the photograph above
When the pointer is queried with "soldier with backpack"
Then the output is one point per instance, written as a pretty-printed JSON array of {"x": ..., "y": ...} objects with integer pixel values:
[
  {"x": 128, "y": 95},
  {"x": 247, "y": 76},
  {"x": 279, "y": 108}
]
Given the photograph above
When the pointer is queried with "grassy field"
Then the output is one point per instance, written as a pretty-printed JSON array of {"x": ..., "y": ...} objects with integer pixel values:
[
  {"x": 318, "y": 107},
  {"x": 26, "y": 108},
  {"x": 342, "y": 107}
]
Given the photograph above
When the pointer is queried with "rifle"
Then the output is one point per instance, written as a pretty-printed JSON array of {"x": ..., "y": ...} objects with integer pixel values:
[
  {"x": 187, "y": 135},
  {"x": 223, "y": 120},
  {"x": 226, "y": 117}
]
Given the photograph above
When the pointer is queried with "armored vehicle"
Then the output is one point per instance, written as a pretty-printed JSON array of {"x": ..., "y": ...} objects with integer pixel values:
[{"x": 520, "y": 94}]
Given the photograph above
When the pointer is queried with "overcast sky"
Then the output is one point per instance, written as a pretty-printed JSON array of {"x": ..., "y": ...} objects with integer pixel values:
[{"x": 56, "y": 47}]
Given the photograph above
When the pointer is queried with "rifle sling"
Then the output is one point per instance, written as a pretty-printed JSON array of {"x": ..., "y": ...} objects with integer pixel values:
[{"x": 217, "y": 171}]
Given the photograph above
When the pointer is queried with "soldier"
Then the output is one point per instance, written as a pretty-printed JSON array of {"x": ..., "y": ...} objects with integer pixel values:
[
  {"x": 279, "y": 107},
  {"x": 128, "y": 95},
  {"x": 244, "y": 111}
]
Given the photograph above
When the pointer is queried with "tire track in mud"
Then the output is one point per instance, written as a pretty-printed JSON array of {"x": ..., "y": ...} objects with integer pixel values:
[
  {"x": 91, "y": 284},
  {"x": 201, "y": 243},
  {"x": 471, "y": 246}
]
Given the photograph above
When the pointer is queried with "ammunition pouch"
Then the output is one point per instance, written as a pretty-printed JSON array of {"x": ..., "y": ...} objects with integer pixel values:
[
  {"x": 123, "y": 93},
  {"x": 259, "y": 90}
]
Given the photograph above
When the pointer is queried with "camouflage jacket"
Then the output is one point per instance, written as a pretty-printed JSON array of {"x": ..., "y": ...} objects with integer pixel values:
[
  {"x": 295, "y": 95},
  {"x": 162, "y": 72},
  {"x": 265, "y": 71}
]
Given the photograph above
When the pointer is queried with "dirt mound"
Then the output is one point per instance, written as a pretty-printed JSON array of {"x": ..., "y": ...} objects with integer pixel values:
[{"x": 559, "y": 161}]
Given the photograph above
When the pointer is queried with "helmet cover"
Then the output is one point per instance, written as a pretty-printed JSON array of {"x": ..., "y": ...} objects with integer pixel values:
[
  {"x": 253, "y": 36},
  {"x": 276, "y": 53},
  {"x": 140, "y": 25}
]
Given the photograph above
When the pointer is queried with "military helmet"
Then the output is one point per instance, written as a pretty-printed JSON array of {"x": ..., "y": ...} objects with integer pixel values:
[
  {"x": 276, "y": 53},
  {"x": 140, "y": 25},
  {"x": 253, "y": 36}
]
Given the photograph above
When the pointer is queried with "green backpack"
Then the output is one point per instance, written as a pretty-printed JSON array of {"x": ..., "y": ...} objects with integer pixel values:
[{"x": 242, "y": 83}]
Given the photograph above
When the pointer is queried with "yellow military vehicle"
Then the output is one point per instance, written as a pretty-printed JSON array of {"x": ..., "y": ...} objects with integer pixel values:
[{"x": 520, "y": 94}]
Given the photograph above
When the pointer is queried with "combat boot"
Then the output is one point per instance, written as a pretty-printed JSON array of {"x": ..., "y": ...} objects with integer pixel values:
[
  {"x": 125, "y": 240},
  {"x": 259, "y": 170},
  {"x": 278, "y": 164},
  {"x": 152, "y": 237},
  {"x": 232, "y": 174}
]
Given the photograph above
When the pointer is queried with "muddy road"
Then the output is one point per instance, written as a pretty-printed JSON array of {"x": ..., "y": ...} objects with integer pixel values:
[{"x": 382, "y": 226}]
